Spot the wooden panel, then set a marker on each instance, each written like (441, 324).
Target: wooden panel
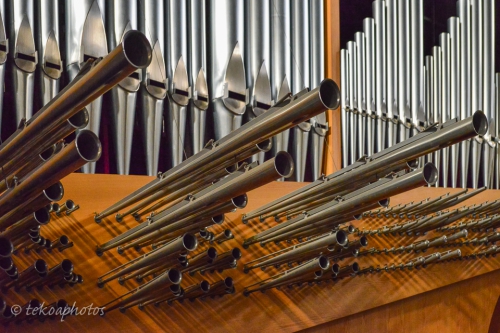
(333, 148)
(465, 307)
(288, 310)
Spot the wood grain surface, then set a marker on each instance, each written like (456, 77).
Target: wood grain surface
(280, 311)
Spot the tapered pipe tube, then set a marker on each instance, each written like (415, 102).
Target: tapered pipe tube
(369, 30)
(392, 72)
(40, 217)
(417, 62)
(344, 68)
(404, 69)
(359, 38)
(67, 205)
(353, 100)
(379, 14)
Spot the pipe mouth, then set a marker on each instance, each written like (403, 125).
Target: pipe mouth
(228, 282)
(6, 263)
(318, 274)
(54, 192)
(88, 145)
(79, 120)
(384, 203)
(79, 278)
(480, 123)
(55, 207)
(42, 216)
(218, 219)
(355, 253)
(47, 243)
(34, 233)
(190, 242)
(329, 94)
(355, 267)
(13, 273)
(341, 237)
(212, 253)
(64, 240)
(412, 164)
(240, 201)
(205, 286)
(283, 163)
(204, 233)
(47, 153)
(67, 266)
(6, 247)
(363, 241)
(175, 289)
(236, 253)
(323, 262)
(7, 312)
(60, 304)
(265, 145)
(228, 233)
(34, 303)
(40, 266)
(137, 49)
(174, 275)
(335, 269)
(357, 216)
(70, 204)
(3, 305)
(232, 168)
(430, 173)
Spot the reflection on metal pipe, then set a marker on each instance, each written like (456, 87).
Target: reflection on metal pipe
(404, 73)
(369, 30)
(417, 63)
(359, 38)
(4, 50)
(455, 67)
(378, 8)
(344, 65)
(437, 102)
(444, 41)
(392, 72)
(353, 101)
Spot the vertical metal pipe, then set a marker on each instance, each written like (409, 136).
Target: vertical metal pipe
(49, 56)
(85, 38)
(455, 66)
(404, 73)
(226, 71)
(429, 94)
(437, 98)
(178, 84)
(444, 41)
(154, 82)
(464, 15)
(497, 131)
(257, 60)
(344, 88)
(121, 16)
(359, 38)
(476, 84)
(4, 50)
(197, 66)
(280, 61)
(351, 48)
(301, 79)
(319, 123)
(417, 62)
(23, 56)
(392, 72)
(378, 8)
(488, 147)
(369, 30)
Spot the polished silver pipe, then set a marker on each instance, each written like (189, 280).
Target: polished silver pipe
(226, 78)
(85, 38)
(176, 62)
(257, 60)
(369, 30)
(154, 82)
(353, 101)
(20, 27)
(429, 97)
(121, 17)
(444, 41)
(49, 55)
(4, 50)
(437, 56)
(197, 69)
(455, 67)
(281, 63)
(497, 133)
(404, 72)
(476, 92)
(301, 79)
(359, 38)
(417, 62)
(344, 92)
(317, 49)
(392, 71)
(378, 9)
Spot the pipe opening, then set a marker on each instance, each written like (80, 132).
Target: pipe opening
(42, 216)
(13, 273)
(70, 204)
(47, 153)
(265, 145)
(80, 119)
(6, 263)
(190, 242)
(64, 240)
(7, 313)
(284, 164)
(55, 207)
(79, 278)
(212, 253)
(61, 304)
(480, 122)
(175, 276)
(40, 266)
(228, 282)
(137, 49)
(236, 253)
(430, 173)
(88, 145)
(240, 201)
(323, 262)
(341, 237)
(67, 266)
(228, 233)
(218, 219)
(351, 229)
(355, 267)
(363, 241)
(175, 289)
(329, 93)
(204, 286)
(6, 247)
(54, 192)
(355, 252)
(34, 303)
(335, 269)
(318, 274)
(412, 164)
(384, 202)
(232, 168)
(357, 216)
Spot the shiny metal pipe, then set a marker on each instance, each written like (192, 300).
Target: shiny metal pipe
(353, 101)
(257, 60)
(359, 38)
(226, 78)
(223, 236)
(417, 62)
(40, 217)
(455, 67)
(4, 50)
(85, 18)
(281, 63)
(67, 205)
(429, 97)
(404, 69)
(121, 17)
(379, 15)
(6, 247)
(437, 56)
(369, 30)
(344, 68)
(197, 68)
(444, 41)
(392, 71)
